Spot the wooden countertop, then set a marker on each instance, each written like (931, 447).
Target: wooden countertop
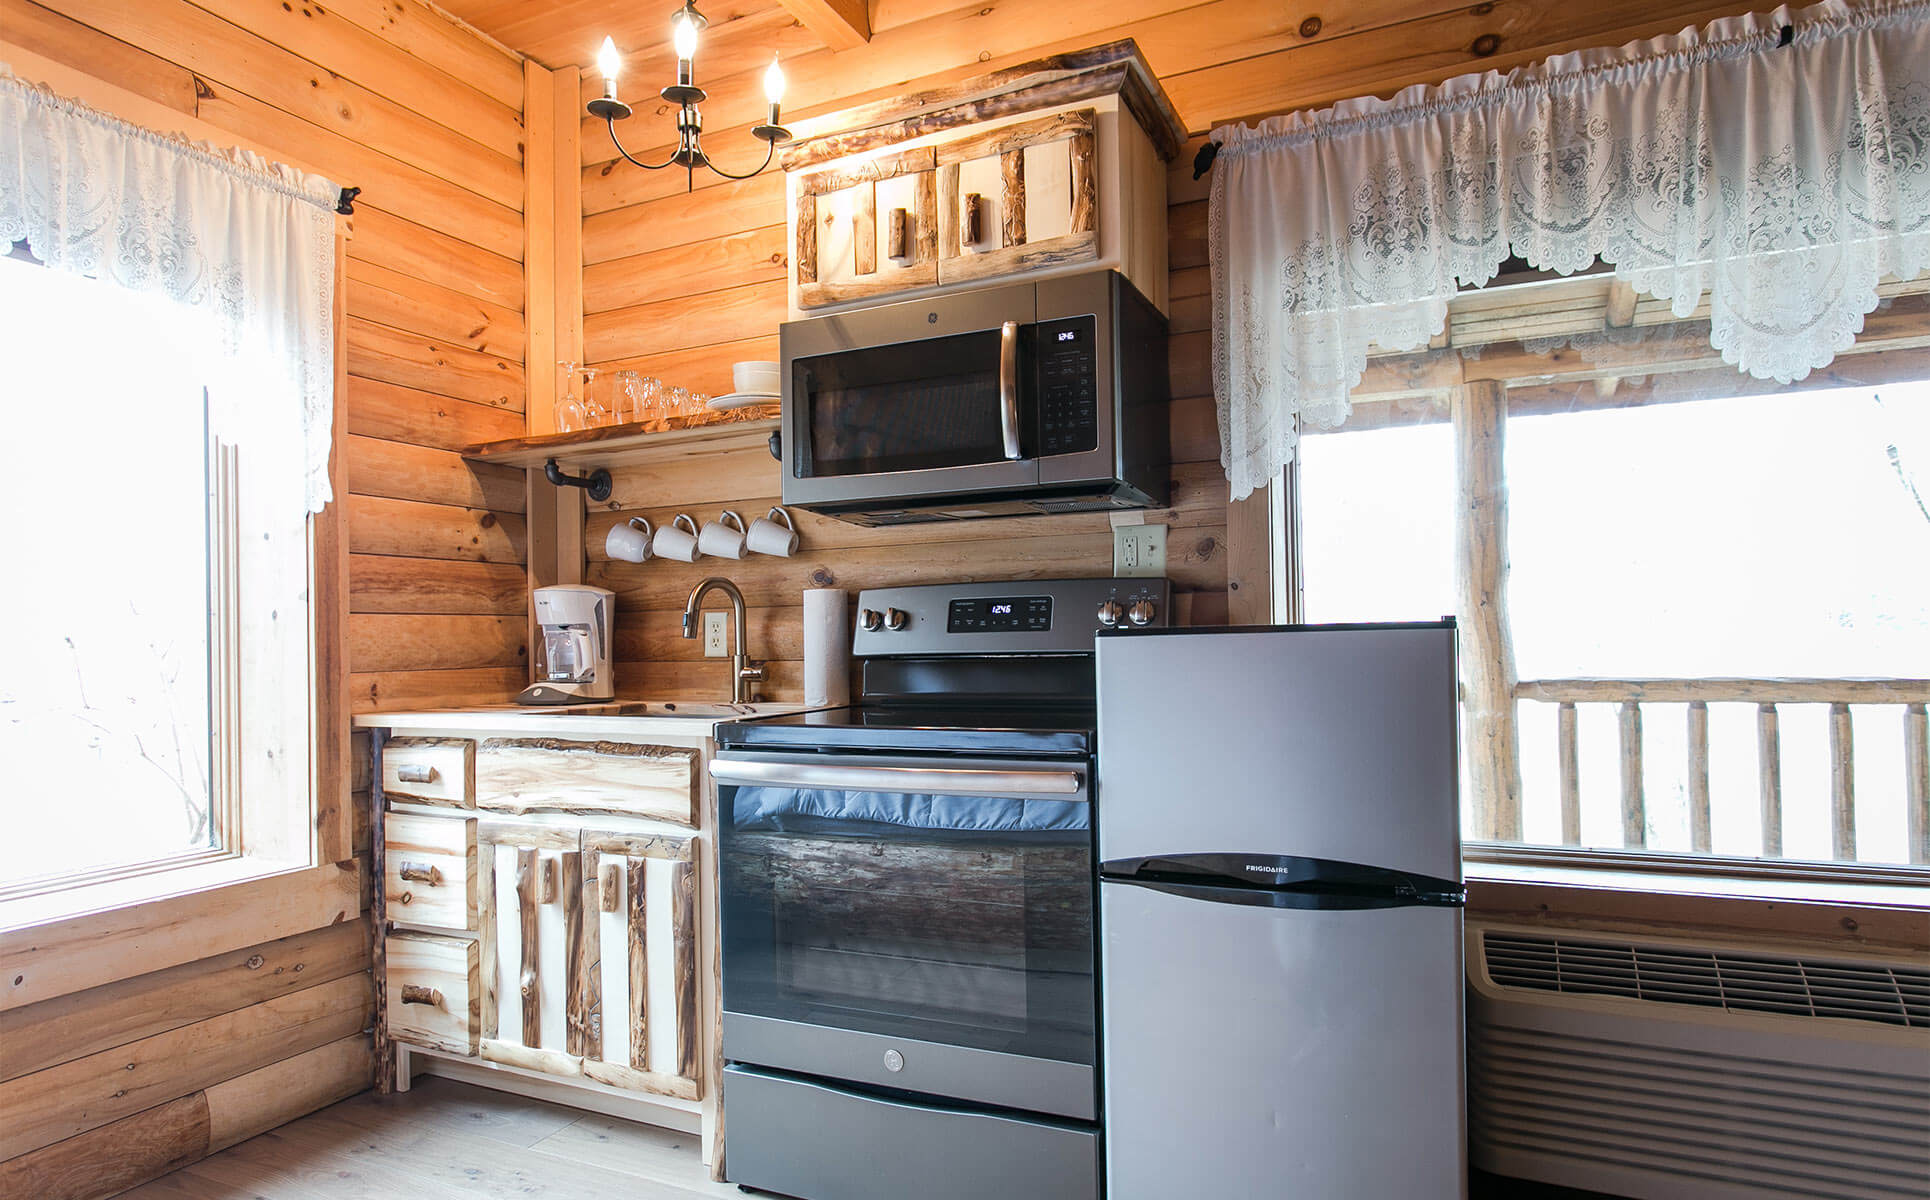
(620, 716)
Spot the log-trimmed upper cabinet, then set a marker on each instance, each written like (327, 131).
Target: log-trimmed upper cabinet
(1059, 164)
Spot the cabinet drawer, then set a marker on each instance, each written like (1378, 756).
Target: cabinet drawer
(429, 870)
(526, 775)
(430, 771)
(434, 991)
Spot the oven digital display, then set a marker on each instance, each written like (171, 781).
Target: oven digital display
(1026, 613)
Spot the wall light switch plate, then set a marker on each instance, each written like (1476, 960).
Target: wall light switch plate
(1139, 551)
(716, 645)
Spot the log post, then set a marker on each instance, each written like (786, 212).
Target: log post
(1567, 753)
(1635, 817)
(1480, 414)
(1916, 765)
(1769, 775)
(1842, 785)
(1699, 836)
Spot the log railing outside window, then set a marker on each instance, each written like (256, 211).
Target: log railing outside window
(1628, 696)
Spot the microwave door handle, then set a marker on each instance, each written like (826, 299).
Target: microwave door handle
(944, 781)
(1009, 387)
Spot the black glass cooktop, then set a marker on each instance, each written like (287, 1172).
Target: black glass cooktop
(1059, 731)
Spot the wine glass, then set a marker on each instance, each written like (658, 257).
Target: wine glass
(571, 415)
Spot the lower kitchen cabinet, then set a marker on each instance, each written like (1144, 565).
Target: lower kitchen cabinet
(547, 906)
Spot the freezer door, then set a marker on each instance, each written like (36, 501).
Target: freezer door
(1333, 743)
(1260, 1051)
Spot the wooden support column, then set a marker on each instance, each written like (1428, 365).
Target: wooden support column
(552, 311)
(1480, 413)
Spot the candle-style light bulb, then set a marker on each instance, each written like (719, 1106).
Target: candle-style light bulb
(609, 62)
(774, 87)
(683, 35)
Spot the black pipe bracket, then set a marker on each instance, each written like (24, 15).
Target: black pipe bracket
(596, 483)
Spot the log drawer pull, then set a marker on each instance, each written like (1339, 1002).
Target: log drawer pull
(427, 873)
(415, 773)
(415, 993)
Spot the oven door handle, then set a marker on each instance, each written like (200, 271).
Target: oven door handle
(1009, 388)
(940, 780)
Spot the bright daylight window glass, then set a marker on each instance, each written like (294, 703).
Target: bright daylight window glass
(104, 492)
(1759, 537)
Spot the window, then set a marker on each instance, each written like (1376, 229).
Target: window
(1717, 590)
(155, 696)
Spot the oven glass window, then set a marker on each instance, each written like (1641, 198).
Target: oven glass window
(952, 919)
(908, 407)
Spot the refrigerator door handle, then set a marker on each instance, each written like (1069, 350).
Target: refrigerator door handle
(1285, 897)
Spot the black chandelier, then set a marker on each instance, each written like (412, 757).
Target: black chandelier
(686, 95)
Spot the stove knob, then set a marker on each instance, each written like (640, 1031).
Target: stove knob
(871, 619)
(1110, 612)
(896, 618)
(1141, 613)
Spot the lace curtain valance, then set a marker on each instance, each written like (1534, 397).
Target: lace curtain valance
(248, 242)
(1776, 164)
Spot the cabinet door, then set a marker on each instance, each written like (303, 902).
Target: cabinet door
(538, 1009)
(652, 1036)
(1018, 198)
(866, 228)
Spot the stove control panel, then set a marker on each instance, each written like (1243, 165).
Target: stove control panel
(1023, 617)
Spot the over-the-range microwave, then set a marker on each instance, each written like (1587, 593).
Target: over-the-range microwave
(1046, 396)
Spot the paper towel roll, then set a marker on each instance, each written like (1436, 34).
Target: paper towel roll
(827, 647)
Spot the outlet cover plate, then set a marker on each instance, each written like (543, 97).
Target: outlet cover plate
(1139, 551)
(716, 644)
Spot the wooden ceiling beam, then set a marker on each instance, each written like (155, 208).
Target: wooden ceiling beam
(839, 24)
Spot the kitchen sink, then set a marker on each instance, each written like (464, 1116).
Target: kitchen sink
(683, 708)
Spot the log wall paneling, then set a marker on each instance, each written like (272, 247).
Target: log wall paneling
(426, 117)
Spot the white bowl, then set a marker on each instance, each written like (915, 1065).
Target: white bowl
(760, 377)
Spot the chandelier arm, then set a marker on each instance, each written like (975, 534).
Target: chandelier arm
(770, 151)
(611, 122)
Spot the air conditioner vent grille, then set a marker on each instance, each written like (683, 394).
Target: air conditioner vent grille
(1890, 995)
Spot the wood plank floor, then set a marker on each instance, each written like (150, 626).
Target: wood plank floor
(448, 1139)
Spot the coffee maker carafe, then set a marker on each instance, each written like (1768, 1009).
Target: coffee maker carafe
(573, 651)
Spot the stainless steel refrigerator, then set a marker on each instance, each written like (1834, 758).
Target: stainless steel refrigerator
(1280, 902)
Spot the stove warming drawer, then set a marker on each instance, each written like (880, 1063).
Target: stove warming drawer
(803, 1138)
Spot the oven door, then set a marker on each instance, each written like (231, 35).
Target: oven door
(914, 924)
(914, 400)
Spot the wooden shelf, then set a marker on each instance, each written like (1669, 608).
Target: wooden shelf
(624, 445)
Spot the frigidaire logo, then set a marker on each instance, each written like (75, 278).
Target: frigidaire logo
(1263, 869)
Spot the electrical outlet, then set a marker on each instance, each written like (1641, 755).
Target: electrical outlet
(716, 645)
(1139, 551)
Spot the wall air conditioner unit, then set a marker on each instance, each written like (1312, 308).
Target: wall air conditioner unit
(1667, 1069)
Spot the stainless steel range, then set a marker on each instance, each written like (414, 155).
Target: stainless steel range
(907, 902)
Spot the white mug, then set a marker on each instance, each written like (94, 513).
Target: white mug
(766, 536)
(629, 541)
(758, 378)
(723, 537)
(672, 540)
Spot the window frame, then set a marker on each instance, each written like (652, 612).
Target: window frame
(118, 929)
(1446, 381)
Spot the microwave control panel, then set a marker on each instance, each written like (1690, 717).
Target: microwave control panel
(1068, 385)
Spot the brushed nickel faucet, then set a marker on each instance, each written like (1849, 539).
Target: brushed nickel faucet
(743, 672)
